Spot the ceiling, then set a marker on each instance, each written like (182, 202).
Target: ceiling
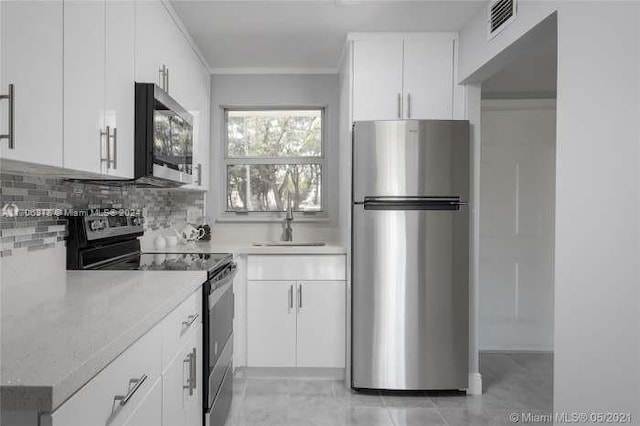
(305, 34)
(533, 74)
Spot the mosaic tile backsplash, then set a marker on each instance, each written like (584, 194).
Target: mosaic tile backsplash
(161, 208)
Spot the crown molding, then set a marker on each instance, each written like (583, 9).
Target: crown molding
(271, 70)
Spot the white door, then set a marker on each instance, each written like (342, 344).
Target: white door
(377, 78)
(149, 412)
(31, 60)
(119, 84)
(428, 76)
(271, 324)
(85, 138)
(517, 203)
(321, 326)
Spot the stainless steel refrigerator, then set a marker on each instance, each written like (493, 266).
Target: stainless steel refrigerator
(410, 255)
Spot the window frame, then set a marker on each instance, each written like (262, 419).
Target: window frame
(227, 160)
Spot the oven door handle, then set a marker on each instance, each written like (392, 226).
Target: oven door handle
(230, 273)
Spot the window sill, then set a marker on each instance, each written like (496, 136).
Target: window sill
(225, 217)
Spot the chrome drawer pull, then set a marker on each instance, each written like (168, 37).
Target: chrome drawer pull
(190, 320)
(136, 385)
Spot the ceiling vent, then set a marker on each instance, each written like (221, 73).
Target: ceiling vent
(501, 14)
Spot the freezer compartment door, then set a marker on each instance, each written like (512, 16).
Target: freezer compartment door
(411, 158)
(410, 305)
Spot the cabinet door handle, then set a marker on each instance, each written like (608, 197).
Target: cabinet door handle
(136, 385)
(299, 296)
(199, 174)
(105, 135)
(114, 160)
(399, 105)
(290, 298)
(408, 105)
(166, 77)
(192, 378)
(10, 96)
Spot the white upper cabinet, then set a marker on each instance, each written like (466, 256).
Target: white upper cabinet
(72, 66)
(160, 43)
(377, 78)
(428, 76)
(31, 60)
(193, 90)
(119, 84)
(85, 139)
(99, 42)
(398, 76)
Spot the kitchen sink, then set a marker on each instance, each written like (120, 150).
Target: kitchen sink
(289, 244)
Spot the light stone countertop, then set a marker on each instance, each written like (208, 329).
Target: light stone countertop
(60, 331)
(243, 248)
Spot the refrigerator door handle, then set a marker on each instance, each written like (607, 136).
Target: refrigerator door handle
(413, 203)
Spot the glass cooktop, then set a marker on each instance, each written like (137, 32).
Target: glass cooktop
(210, 262)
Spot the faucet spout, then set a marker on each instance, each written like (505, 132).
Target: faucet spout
(288, 218)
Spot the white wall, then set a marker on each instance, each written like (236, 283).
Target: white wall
(273, 90)
(517, 199)
(597, 249)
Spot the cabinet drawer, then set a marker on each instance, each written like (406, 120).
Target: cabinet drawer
(176, 325)
(95, 403)
(296, 267)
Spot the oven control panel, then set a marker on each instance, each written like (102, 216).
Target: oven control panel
(99, 226)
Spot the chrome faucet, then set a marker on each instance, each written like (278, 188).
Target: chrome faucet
(288, 218)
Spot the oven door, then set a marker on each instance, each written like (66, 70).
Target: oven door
(218, 333)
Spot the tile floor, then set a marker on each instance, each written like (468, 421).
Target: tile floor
(512, 383)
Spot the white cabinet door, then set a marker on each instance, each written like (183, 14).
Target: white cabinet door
(119, 84)
(149, 412)
(174, 381)
(271, 324)
(85, 142)
(152, 21)
(31, 60)
(321, 325)
(428, 76)
(194, 402)
(377, 78)
(195, 98)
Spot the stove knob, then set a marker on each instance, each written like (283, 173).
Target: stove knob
(98, 224)
(136, 221)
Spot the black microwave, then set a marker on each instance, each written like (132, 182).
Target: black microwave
(163, 139)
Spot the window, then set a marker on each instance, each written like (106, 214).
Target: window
(271, 153)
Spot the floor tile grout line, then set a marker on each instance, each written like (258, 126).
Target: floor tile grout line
(440, 414)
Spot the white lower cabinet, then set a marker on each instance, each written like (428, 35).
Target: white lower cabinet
(138, 388)
(271, 324)
(321, 323)
(296, 322)
(181, 385)
(114, 395)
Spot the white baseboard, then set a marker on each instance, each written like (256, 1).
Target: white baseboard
(475, 384)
